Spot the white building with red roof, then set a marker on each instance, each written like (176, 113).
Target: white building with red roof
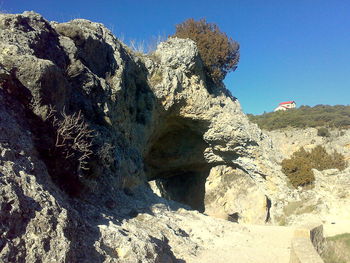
(286, 105)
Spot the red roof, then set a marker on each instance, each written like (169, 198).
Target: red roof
(287, 102)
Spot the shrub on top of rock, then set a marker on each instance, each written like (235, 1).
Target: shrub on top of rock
(299, 167)
(220, 54)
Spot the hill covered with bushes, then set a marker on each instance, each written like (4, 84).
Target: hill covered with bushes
(305, 116)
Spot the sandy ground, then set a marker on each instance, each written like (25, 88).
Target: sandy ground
(336, 227)
(221, 241)
(261, 244)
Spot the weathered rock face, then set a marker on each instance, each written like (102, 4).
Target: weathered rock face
(287, 141)
(203, 128)
(328, 200)
(225, 197)
(32, 214)
(153, 117)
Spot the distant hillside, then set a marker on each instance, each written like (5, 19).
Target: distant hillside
(305, 116)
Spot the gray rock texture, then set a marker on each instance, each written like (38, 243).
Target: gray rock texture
(204, 128)
(85, 123)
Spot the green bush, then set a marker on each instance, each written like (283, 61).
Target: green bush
(319, 116)
(321, 160)
(219, 53)
(298, 167)
(323, 132)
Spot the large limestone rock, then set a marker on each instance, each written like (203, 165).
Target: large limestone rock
(204, 127)
(153, 117)
(226, 198)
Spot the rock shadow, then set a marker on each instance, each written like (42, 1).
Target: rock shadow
(175, 160)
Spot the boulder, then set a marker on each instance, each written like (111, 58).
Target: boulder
(226, 198)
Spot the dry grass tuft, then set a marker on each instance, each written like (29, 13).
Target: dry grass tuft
(337, 249)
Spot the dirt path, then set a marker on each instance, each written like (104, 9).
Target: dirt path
(261, 244)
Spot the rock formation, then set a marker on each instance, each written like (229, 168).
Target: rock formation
(287, 141)
(85, 124)
(328, 201)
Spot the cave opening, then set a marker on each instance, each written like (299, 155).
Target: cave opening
(175, 161)
(187, 188)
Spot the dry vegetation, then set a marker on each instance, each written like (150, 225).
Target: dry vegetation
(299, 167)
(220, 54)
(74, 138)
(337, 249)
(65, 142)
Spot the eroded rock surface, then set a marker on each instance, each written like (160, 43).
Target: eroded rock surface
(328, 200)
(289, 140)
(152, 118)
(226, 198)
(204, 128)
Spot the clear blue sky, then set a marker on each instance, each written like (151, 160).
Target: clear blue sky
(290, 50)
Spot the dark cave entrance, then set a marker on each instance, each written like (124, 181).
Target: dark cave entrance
(187, 188)
(175, 160)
